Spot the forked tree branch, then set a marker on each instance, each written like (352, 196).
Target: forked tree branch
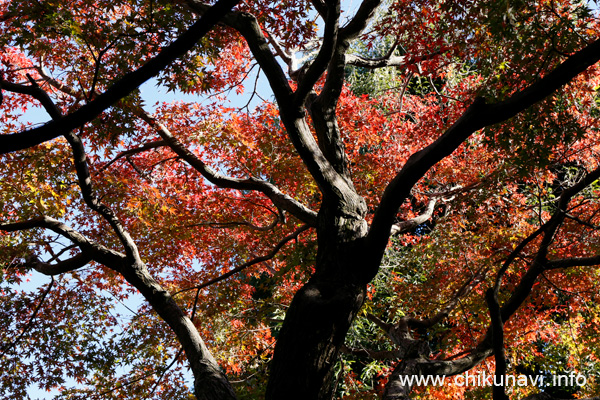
(59, 267)
(331, 183)
(98, 252)
(318, 67)
(84, 177)
(492, 341)
(278, 198)
(477, 116)
(252, 262)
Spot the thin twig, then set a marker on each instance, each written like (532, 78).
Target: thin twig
(31, 319)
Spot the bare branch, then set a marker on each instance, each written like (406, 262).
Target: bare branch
(360, 61)
(497, 327)
(146, 146)
(252, 262)
(280, 200)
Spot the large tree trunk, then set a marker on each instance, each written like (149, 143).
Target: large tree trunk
(322, 311)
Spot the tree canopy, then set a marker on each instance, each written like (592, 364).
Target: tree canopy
(416, 196)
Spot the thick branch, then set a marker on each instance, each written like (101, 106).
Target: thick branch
(372, 63)
(323, 107)
(477, 116)
(359, 22)
(84, 177)
(493, 342)
(96, 251)
(33, 91)
(278, 198)
(60, 267)
(573, 262)
(405, 226)
(121, 88)
(497, 327)
(292, 113)
(85, 183)
(319, 65)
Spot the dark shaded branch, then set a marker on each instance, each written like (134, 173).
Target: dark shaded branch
(85, 183)
(252, 262)
(247, 25)
(122, 87)
(493, 342)
(323, 107)
(497, 327)
(573, 262)
(316, 69)
(320, 6)
(84, 177)
(477, 116)
(372, 354)
(463, 291)
(292, 113)
(34, 91)
(540, 261)
(359, 22)
(397, 387)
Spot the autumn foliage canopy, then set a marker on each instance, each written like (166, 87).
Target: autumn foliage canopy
(342, 196)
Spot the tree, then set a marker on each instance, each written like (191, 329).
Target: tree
(262, 234)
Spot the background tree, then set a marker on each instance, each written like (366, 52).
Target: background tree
(448, 207)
